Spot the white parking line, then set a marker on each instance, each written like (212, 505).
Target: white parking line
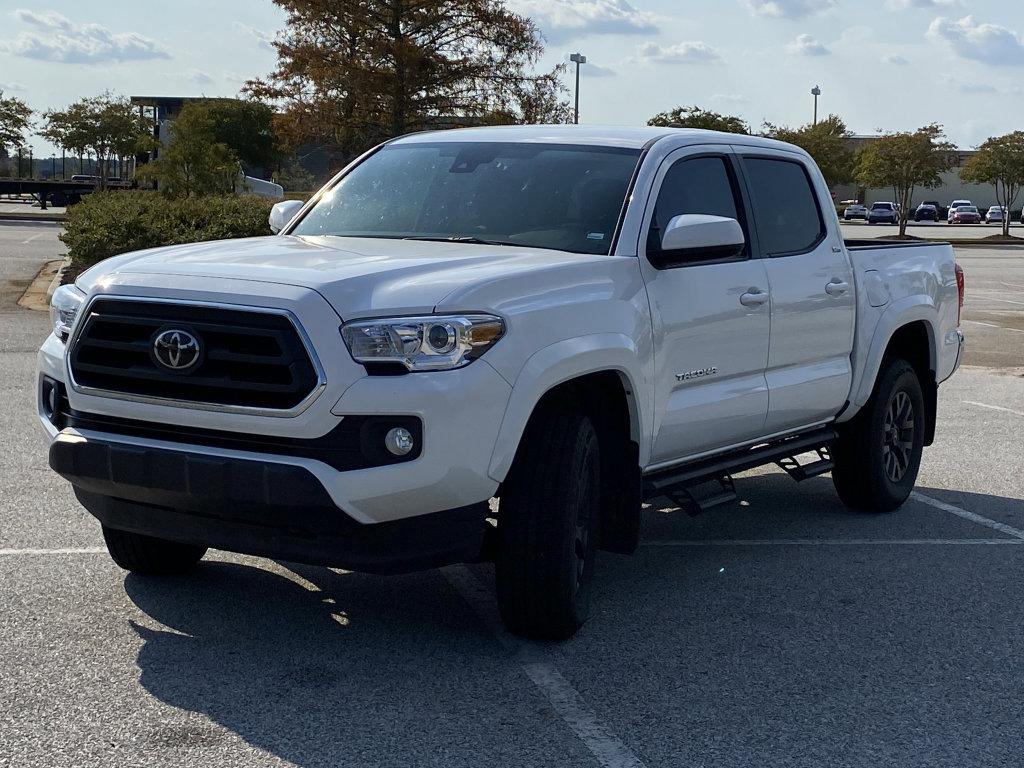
(26, 242)
(1009, 530)
(993, 407)
(993, 325)
(67, 551)
(604, 745)
(819, 542)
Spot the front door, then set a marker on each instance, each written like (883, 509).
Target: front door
(711, 317)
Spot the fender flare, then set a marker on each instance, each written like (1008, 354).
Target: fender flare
(898, 314)
(561, 362)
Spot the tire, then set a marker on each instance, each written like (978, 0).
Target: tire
(548, 527)
(149, 556)
(876, 461)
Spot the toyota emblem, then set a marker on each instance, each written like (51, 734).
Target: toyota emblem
(176, 350)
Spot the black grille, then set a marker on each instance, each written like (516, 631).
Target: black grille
(249, 359)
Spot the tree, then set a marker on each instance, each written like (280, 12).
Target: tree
(15, 120)
(106, 125)
(246, 127)
(194, 162)
(825, 141)
(695, 117)
(351, 74)
(999, 162)
(905, 161)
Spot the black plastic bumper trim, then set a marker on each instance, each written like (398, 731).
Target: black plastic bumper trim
(251, 507)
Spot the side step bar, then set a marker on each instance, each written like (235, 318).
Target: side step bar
(680, 484)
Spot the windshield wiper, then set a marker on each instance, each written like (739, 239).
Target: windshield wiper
(460, 239)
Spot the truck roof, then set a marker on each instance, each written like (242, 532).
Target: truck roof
(595, 135)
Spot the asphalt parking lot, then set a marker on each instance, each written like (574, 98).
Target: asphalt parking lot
(783, 631)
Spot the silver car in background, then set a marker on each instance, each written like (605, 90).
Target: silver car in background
(995, 213)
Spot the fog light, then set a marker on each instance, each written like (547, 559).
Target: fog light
(398, 441)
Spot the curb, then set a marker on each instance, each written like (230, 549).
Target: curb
(48, 217)
(39, 292)
(57, 279)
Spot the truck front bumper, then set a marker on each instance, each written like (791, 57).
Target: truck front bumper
(253, 507)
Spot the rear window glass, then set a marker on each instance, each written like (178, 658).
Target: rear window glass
(785, 206)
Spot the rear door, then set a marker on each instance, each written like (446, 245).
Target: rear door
(813, 308)
(711, 317)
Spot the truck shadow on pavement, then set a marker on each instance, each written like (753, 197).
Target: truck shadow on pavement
(322, 668)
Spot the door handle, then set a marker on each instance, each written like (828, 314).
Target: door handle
(755, 297)
(837, 288)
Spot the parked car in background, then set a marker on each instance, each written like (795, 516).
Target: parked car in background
(954, 205)
(995, 213)
(938, 207)
(855, 211)
(883, 213)
(965, 214)
(926, 212)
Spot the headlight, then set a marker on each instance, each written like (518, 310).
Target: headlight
(434, 343)
(63, 307)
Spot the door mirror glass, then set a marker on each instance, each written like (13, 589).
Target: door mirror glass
(700, 237)
(282, 213)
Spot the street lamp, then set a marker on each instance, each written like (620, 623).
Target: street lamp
(577, 58)
(815, 92)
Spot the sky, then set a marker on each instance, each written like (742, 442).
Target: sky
(882, 65)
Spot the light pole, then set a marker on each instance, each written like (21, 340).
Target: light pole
(577, 58)
(815, 92)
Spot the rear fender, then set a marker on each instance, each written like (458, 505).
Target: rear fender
(896, 315)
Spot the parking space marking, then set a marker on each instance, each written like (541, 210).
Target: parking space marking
(993, 407)
(65, 551)
(995, 525)
(993, 325)
(819, 542)
(604, 745)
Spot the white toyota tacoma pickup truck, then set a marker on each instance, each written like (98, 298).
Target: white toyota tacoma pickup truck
(569, 320)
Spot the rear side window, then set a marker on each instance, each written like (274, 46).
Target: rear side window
(698, 185)
(785, 206)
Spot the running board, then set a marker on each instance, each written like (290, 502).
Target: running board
(681, 484)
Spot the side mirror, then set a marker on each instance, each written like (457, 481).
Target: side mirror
(699, 237)
(282, 213)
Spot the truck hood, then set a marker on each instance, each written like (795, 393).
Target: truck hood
(358, 276)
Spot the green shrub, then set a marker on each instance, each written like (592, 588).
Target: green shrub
(105, 224)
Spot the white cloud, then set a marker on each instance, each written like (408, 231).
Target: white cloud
(787, 9)
(895, 60)
(902, 5)
(563, 19)
(691, 52)
(805, 45)
(729, 98)
(988, 43)
(59, 39)
(13, 87)
(198, 77)
(265, 40)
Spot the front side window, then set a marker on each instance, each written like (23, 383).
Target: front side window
(697, 185)
(565, 197)
(785, 206)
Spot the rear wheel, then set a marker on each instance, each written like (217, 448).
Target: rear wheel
(150, 556)
(547, 527)
(878, 454)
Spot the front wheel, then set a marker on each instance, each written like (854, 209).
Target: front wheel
(150, 556)
(878, 454)
(547, 527)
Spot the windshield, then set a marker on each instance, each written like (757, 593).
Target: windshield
(565, 197)
(967, 209)
(882, 207)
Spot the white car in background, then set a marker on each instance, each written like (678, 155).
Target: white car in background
(954, 205)
(995, 213)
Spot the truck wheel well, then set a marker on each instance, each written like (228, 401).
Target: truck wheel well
(913, 343)
(607, 401)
